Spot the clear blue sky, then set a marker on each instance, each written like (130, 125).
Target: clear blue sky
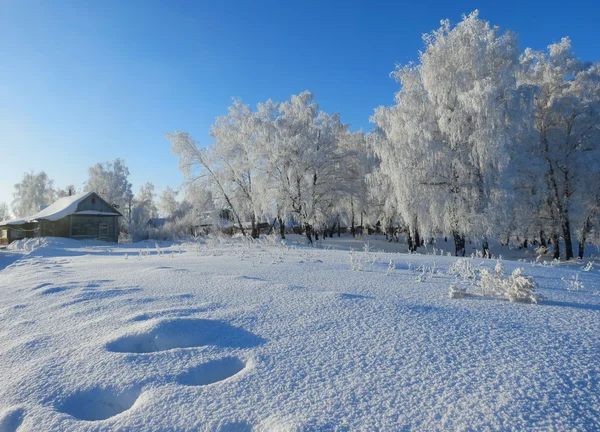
(89, 81)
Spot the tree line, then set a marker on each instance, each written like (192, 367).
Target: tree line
(485, 140)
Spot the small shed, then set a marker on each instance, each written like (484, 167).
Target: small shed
(81, 216)
(15, 229)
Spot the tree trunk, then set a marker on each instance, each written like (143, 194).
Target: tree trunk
(542, 239)
(254, 228)
(581, 249)
(352, 229)
(486, 248)
(362, 227)
(556, 246)
(282, 228)
(567, 236)
(410, 242)
(459, 244)
(308, 229)
(587, 227)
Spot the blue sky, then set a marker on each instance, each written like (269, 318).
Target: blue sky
(83, 82)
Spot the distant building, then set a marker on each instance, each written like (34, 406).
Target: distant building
(157, 222)
(81, 216)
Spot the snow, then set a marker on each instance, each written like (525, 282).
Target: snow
(13, 222)
(95, 213)
(60, 208)
(238, 336)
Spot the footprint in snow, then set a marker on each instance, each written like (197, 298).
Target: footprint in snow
(236, 426)
(184, 333)
(97, 403)
(11, 419)
(211, 372)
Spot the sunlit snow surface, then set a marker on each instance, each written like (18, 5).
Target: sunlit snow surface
(240, 337)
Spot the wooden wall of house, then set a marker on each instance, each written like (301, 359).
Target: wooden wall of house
(92, 203)
(88, 227)
(17, 232)
(4, 235)
(59, 228)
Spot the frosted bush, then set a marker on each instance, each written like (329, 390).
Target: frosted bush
(515, 288)
(421, 274)
(492, 283)
(391, 267)
(520, 288)
(457, 292)
(573, 283)
(272, 240)
(463, 268)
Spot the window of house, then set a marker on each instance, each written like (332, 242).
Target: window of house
(93, 200)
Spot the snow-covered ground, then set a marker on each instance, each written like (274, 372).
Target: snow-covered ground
(235, 336)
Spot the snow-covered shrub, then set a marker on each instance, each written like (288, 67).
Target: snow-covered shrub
(463, 268)
(588, 266)
(541, 251)
(573, 283)
(520, 288)
(391, 267)
(125, 238)
(361, 261)
(515, 288)
(421, 274)
(491, 283)
(457, 292)
(272, 240)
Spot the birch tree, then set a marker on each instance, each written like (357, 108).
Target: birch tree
(34, 191)
(566, 117)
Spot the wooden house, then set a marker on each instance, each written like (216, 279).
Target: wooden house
(82, 216)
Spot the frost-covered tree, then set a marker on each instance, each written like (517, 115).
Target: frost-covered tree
(200, 167)
(35, 191)
(483, 141)
(284, 159)
(167, 203)
(4, 212)
(447, 140)
(566, 149)
(405, 141)
(144, 207)
(68, 191)
(305, 160)
(237, 158)
(111, 181)
(358, 162)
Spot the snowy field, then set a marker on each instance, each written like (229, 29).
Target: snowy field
(234, 336)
